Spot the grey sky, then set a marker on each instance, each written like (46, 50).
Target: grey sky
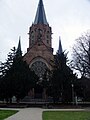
(68, 19)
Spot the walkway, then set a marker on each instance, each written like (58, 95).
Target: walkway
(35, 113)
(27, 114)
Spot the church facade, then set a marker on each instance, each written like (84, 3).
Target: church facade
(40, 52)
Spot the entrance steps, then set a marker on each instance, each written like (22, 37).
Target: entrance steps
(28, 99)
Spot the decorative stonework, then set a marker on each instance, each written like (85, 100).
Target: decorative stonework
(39, 68)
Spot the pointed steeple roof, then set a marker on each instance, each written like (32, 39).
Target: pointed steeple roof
(89, 47)
(89, 50)
(89, 42)
(60, 47)
(40, 14)
(19, 52)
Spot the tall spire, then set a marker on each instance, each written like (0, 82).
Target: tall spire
(19, 52)
(89, 50)
(40, 14)
(60, 47)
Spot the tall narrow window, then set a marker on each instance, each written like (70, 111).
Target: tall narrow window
(32, 37)
(39, 35)
(48, 37)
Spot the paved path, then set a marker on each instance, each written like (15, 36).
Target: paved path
(35, 113)
(27, 114)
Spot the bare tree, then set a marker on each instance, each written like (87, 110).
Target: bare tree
(81, 55)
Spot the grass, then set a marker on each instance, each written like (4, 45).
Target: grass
(6, 113)
(66, 115)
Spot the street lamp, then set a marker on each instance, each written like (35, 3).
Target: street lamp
(72, 94)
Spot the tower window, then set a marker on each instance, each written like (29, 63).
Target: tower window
(32, 37)
(35, 29)
(47, 36)
(48, 41)
(48, 32)
(39, 34)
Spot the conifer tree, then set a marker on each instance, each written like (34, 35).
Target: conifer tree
(17, 78)
(62, 79)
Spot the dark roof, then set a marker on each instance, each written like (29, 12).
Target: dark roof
(40, 14)
(60, 51)
(18, 51)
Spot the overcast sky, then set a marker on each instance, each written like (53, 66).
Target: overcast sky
(68, 19)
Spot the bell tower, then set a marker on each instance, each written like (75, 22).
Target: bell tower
(40, 52)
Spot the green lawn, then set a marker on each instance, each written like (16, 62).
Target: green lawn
(60, 115)
(6, 113)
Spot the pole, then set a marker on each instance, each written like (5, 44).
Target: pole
(72, 94)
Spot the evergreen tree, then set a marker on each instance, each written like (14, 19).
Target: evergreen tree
(5, 76)
(62, 79)
(17, 78)
(23, 78)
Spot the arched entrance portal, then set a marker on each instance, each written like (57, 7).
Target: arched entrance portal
(39, 67)
(38, 92)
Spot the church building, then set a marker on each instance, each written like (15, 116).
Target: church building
(40, 52)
